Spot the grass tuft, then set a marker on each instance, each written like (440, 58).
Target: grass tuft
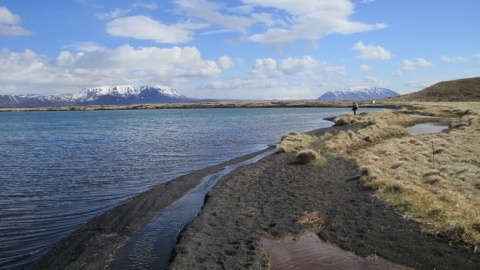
(294, 142)
(313, 219)
(437, 187)
(307, 156)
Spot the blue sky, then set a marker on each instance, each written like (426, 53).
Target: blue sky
(243, 49)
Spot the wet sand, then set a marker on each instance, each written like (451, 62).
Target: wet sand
(264, 201)
(93, 244)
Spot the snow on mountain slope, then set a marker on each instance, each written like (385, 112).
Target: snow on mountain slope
(358, 93)
(124, 91)
(103, 95)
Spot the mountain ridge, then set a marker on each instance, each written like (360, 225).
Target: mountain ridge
(358, 93)
(101, 95)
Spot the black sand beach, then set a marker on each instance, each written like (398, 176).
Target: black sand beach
(266, 200)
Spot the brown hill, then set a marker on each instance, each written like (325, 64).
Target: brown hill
(467, 89)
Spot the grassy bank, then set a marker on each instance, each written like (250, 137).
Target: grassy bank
(433, 179)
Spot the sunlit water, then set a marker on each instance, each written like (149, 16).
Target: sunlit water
(60, 169)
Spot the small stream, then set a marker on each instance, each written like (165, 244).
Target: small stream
(151, 248)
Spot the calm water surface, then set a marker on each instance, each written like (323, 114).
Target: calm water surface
(60, 169)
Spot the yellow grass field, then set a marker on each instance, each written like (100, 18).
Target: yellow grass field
(433, 179)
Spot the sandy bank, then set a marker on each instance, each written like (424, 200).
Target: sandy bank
(266, 200)
(93, 244)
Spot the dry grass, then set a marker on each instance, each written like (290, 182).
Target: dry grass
(432, 179)
(314, 219)
(295, 142)
(301, 145)
(467, 89)
(381, 126)
(310, 156)
(307, 156)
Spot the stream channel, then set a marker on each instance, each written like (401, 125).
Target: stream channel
(151, 248)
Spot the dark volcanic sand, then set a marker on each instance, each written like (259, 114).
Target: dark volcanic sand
(93, 244)
(264, 199)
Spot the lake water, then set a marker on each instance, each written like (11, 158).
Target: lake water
(59, 169)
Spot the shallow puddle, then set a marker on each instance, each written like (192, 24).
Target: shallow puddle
(309, 252)
(437, 125)
(426, 128)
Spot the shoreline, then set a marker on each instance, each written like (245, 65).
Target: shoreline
(92, 245)
(264, 199)
(212, 105)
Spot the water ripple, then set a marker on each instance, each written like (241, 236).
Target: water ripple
(60, 169)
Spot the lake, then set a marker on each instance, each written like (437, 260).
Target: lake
(61, 168)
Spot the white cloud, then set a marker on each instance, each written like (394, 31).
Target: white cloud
(415, 64)
(365, 67)
(181, 67)
(330, 71)
(117, 13)
(113, 14)
(373, 81)
(225, 62)
(143, 27)
(7, 17)
(150, 6)
(371, 52)
(311, 21)
(258, 89)
(86, 46)
(66, 58)
(245, 9)
(9, 24)
(271, 68)
(270, 78)
(454, 59)
(298, 66)
(266, 68)
(277, 22)
(72, 71)
(397, 73)
(210, 12)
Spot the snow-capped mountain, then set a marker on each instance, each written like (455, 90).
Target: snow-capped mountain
(104, 95)
(359, 93)
(124, 91)
(127, 94)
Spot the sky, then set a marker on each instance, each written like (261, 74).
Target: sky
(242, 49)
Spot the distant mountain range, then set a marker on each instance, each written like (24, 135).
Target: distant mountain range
(467, 89)
(105, 95)
(359, 93)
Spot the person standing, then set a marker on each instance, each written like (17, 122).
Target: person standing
(354, 108)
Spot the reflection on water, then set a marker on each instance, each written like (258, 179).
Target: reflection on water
(427, 128)
(435, 125)
(309, 252)
(60, 169)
